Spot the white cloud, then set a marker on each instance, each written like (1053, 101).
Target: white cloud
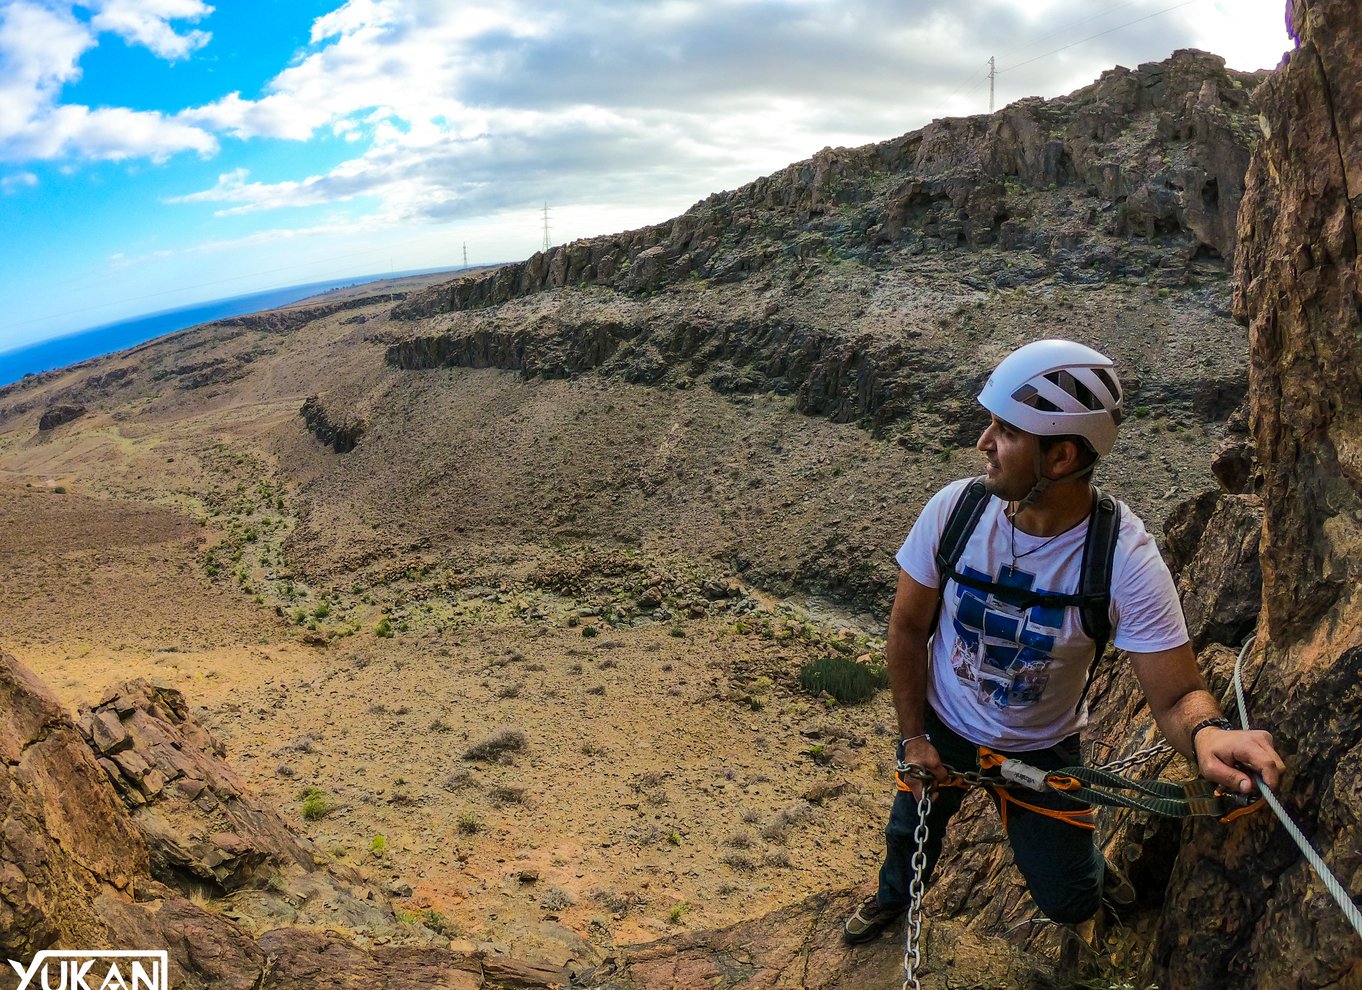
(147, 23)
(40, 49)
(457, 111)
(13, 183)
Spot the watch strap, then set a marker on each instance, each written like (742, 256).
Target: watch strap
(1219, 722)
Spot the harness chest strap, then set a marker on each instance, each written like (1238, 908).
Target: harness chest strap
(1093, 597)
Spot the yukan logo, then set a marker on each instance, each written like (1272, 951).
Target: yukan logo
(1003, 650)
(95, 969)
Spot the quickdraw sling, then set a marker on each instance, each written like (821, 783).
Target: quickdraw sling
(1087, 786)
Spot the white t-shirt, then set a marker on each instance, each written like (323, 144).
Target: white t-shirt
(1009, 677)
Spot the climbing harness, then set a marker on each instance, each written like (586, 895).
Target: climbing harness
(912, 940)
(1340, 896)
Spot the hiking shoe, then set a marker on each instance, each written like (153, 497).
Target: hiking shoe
(868, 920)
(1117, 890)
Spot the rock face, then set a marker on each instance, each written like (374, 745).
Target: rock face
(1250, 910)
(341, 430)
(1212, 549)
(801, 946)
(65, 841)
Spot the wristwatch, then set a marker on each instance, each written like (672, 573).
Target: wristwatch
(1220, 722)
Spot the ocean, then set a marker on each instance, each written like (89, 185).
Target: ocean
(62, 351)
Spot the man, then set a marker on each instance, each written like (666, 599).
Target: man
(969, 668)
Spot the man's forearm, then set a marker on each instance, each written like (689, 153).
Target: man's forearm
(906, 656)
(1185, 713)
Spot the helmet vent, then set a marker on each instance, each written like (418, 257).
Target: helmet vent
(1028, 396)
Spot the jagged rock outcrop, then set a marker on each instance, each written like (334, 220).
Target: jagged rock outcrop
(54, 416)
(1250, 910)
(65, 840)
(189, 804)
(339, 429)
(959, 182)
(833, 279)
(78, 871)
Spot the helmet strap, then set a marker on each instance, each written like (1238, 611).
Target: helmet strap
(1043, 483)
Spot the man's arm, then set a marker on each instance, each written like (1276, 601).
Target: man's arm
(1179, 700)
(905, 654)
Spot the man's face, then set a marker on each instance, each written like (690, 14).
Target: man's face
(1011, 460)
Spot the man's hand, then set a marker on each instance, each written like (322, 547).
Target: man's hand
(920, 752)
(1224, 754)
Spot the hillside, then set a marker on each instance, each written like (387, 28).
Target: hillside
(600, 506)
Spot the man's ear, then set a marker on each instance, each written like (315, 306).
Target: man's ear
(1063, 458)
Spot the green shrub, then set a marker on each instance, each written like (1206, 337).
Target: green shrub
(469, 823)
(384, 629)
(379, 845)
(846, 680)
(438, 923)
(316, 804)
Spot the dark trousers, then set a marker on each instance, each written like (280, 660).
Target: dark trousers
(1062, 867)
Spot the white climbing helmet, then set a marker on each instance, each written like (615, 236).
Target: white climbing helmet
(1056, 388)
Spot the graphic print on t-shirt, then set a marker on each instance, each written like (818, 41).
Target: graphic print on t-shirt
(1003, 649)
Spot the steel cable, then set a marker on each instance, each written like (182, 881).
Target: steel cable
(1345, 903)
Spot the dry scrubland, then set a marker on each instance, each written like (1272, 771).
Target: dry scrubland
(664, 769)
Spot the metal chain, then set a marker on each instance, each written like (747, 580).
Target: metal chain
(912, 957)
(1139, 756)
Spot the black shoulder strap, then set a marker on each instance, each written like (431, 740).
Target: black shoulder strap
(960, 525)
(1093, 598)
(1099, 558)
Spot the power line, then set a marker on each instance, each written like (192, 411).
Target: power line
(1099, 34)
(1070, 26)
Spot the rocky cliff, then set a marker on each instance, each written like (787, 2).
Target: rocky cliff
(1134, 180)
(1249, 911)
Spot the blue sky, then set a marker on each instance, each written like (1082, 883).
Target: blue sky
(158, 153)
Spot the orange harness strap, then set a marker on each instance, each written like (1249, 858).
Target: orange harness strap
(989, 760)
(1078, 817)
